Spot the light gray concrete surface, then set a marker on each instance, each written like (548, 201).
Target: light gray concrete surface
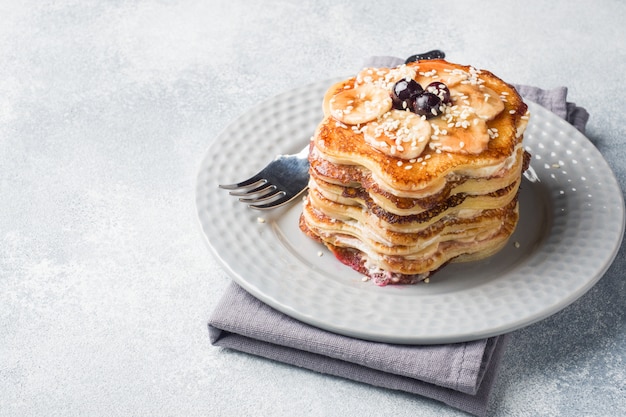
(106, 109)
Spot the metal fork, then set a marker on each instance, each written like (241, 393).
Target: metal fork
(282, 180)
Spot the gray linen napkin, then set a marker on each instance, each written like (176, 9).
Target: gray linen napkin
(460, 374)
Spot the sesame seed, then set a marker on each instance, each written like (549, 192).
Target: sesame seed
(400, 163)
(408, 167)
(512, 111)
(260, 220)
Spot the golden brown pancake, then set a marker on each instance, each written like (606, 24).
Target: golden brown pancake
(400, 188)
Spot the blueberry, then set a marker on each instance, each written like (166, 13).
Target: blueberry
(404, 93)
(427, 104)
(439, 89)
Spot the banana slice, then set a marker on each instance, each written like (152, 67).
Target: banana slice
(385, 77)
(483, 101)
(360, 105)
(398, 133)
(471, 137)
(371, 75)
(453, 78)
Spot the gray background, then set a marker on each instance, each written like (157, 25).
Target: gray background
(106, 109)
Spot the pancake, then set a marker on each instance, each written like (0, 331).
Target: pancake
(414, 167)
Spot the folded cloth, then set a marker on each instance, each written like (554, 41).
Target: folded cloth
(461, 375)
(556, 101)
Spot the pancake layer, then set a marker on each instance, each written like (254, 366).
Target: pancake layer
(395, 193)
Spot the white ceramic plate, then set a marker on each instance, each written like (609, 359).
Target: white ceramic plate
(571, 226)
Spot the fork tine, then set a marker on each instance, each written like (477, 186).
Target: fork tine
(274, 203)
(244, 192)
(280, 182)
(250, 181)
(263, 197)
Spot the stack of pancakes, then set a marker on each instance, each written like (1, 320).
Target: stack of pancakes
(396, 195)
